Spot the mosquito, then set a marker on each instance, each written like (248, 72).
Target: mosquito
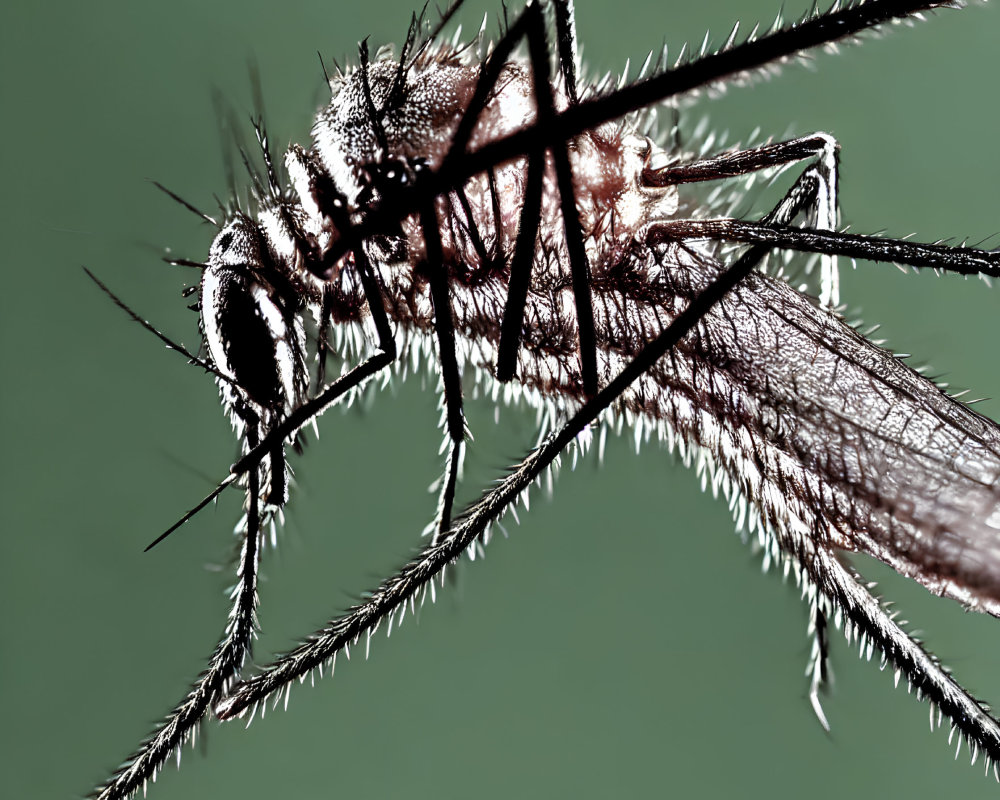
(480, 208)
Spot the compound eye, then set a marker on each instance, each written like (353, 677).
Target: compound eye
(235, 316)
(251, 340)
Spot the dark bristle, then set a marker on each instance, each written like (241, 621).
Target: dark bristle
(177, 199)
(170, 343)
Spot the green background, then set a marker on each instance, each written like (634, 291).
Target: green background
(621, 642)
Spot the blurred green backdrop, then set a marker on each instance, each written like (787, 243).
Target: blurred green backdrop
(622, 642)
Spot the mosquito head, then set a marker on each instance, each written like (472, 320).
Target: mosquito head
(250, 328)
